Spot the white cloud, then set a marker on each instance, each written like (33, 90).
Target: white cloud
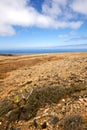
(73, 33)
(52, 7)
(6, 30)
(79, 6)
(63, 36)
(20, 13)
(79, 38)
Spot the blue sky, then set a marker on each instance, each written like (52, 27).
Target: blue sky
(43, 23)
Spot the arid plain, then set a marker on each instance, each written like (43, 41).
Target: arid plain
(43, 91)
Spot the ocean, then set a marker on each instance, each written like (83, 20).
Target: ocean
(39, 51)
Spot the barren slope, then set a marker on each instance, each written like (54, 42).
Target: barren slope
(49, 91)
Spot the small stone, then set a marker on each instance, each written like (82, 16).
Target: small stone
(44, 125)
(55, 120)
(46, 110)
(59, 105)
(85, 99)
(81, 100)
(0, 123)
(35, 123)
(53, 113)
(63, 110)
(63, 100)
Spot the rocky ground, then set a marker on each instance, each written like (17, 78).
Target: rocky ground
(43, 92)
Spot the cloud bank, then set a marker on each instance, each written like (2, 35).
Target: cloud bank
(78, 38)
(55, 14)
(79, 6)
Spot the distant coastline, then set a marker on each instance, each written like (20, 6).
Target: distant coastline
(6, 55)
(38, 51)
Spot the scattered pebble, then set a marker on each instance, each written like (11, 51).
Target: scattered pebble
(44, 125)
(55, 120)
(35, 123)
(63, 100)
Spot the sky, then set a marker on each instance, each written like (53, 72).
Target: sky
(43, 23)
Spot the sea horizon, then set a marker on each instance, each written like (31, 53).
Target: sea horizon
(38, 51)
